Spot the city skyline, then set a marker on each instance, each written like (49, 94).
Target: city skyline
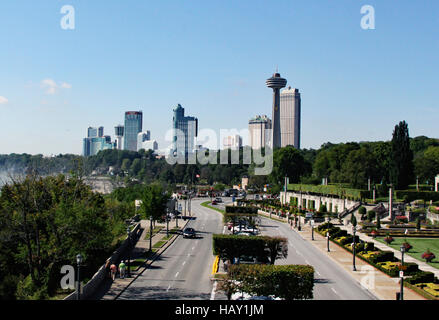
(214, 57)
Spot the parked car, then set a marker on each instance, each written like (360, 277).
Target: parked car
(214, 202)
(218, 200)
(189, 233)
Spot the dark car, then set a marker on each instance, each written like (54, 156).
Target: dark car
(189, 233)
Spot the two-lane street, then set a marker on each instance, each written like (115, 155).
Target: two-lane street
(183, 271)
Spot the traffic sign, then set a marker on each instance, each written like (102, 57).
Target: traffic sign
(401, 274)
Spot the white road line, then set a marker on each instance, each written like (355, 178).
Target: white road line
(169, 287)
(299, 253)
(318, 273)
(334, 291)
(176, 275)
(212, 294)
(307, 262)
(193, 247)
(184, 263)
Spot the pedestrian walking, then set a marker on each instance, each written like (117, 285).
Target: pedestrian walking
(113, 270)
(122, 268)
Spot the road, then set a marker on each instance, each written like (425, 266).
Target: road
(331, 281)
(183, 271)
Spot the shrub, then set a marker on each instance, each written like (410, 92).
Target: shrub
(388, 239)
(362, 210)
(289, 282)
(407, 246)
(428, 256)
(421, 277)
(371, 215)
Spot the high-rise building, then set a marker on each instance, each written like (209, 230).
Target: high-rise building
(133, 125)
(185, 132)
(118, 131)
(259, 129)
(276, 83)
(290, 117)
(100, 131)
(150, 145)
(142, 137)
(233, 142)
(92, 132)
(92, 145)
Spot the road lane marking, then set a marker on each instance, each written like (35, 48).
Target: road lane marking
(169, 287)
(334, 291)
(307, 262)
(184, 262)
(318, 273)
(212, 294)
(176, 275)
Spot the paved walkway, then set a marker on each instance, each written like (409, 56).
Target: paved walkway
(111, 290)
(377, 282)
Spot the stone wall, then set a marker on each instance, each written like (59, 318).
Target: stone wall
(91, 286)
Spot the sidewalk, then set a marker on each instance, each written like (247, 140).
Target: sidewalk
(422, 265)
(111, 290)
(377, 282)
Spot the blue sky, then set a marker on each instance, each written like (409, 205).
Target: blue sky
(213, 58)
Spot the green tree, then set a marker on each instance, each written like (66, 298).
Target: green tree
(401, 163)
(288, 162)
(154, 202)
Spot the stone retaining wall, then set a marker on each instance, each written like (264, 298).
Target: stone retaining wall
(91, 286)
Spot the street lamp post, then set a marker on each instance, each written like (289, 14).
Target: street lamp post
(167, 222)
(354, 229)
(78, 290)
(327, 235)
(401, 295)
(312, 230)
(129, 251)
(150, 233)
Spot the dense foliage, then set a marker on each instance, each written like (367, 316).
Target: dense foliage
(351, 164)
(44, 224)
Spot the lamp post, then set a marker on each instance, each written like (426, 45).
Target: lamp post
(327, 235)
(167, 222)
(312, 230)
(150, 233)
(129, 251)
(354, 230)
(401, 274)
(78, 290)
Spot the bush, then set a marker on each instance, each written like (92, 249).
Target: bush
(371, 215)
(421, 277)
(362, 210)
(428, 256)
(289, 282)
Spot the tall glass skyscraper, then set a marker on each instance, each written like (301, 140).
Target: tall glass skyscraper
(133, 125)
(185, 132)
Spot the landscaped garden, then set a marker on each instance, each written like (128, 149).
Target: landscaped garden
(419, 247)
(425, 283)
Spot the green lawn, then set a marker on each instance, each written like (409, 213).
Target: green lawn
(420, 245)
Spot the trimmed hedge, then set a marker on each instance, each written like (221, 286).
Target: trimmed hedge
(239, 210)
(410, 196)
(289, 282)
(355, 194)
(263, 248)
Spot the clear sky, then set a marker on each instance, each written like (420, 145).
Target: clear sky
(213, 57)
